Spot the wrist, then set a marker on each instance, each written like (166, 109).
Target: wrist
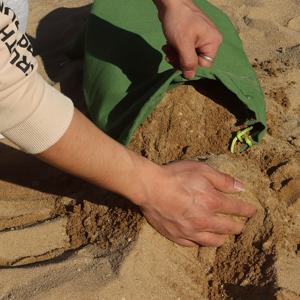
(166, 6)
(145, 177)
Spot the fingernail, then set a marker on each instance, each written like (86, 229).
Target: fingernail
(189, 74)
(239, 186)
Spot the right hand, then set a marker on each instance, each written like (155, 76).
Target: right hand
(188, 31)
(188, 205)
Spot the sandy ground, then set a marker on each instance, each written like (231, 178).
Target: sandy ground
(61, 238)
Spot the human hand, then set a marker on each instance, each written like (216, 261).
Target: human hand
(188, 31)
(188, 205)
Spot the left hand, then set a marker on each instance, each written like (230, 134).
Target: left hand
(188, 31)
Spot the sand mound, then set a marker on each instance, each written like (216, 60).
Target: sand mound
(188, 123)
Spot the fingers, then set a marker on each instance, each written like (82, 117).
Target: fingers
(205, 62)
(204, 239)
(218, 224)
(186, 243)
(215, 233)
(210, 239)
(212, 232)
(187, 58)
(235, 207)
(221, 203)
(184, 59)
(224, 225)
(210, 50)
(221, 181)
(185, 55)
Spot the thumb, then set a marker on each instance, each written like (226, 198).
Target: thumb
(224, 182)
(188, 59)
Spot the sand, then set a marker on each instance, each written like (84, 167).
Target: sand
(61, 238)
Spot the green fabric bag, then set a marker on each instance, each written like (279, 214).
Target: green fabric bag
(126, 75)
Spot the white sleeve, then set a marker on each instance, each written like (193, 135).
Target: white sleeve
(33, 114)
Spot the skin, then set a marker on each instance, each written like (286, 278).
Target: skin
(187, 202)
(188, 31)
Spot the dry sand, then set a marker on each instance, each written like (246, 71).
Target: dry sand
(68, 240)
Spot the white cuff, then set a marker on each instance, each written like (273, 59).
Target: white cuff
(46, 125)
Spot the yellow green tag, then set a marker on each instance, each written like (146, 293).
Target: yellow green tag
(244, 137)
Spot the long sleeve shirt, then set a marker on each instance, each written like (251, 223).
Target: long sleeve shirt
(33, 114)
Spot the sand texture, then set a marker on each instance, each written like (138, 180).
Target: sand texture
(61, 238)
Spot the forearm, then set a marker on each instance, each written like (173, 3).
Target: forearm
(86, 152)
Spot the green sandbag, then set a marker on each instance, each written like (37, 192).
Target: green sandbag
(126, 75)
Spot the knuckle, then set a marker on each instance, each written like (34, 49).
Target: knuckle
(219, 38)
(212, 204)
(185, 233)
(239, 207)
(185, 230)
(228, 180)
(203, 167)
(202, 224)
